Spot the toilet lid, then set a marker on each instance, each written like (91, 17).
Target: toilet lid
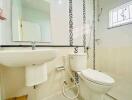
(97, 77)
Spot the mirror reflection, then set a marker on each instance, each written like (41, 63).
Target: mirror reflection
(31, 20)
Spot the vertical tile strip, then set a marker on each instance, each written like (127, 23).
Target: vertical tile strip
(94, 36)
(70, 23)
(84, 25)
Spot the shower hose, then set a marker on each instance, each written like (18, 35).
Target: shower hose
(76, 85)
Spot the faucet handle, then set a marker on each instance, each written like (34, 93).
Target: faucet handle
(33, 44)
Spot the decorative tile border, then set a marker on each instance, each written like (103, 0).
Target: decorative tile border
(70, 23)
(84, 24)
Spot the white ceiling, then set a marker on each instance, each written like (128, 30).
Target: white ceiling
(43, 5)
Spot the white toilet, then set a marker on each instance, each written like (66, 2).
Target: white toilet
(97, 82)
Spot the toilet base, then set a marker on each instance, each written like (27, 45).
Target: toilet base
(89, 94)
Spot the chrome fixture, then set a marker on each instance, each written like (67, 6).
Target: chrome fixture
(77, 78)
(100, 13)
(76, 50)
(60, 68)
(33, 45)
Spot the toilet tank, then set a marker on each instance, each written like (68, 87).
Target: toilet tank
(78, 62)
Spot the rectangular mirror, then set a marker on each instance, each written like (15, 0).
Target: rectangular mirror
(31, 20)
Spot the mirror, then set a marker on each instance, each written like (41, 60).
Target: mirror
(31, 20)
(69, 20)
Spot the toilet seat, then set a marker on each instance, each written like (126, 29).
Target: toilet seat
(97, 77)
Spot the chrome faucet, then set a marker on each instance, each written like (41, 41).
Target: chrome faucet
(33, 45)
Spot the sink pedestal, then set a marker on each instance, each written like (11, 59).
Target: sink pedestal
(35, 74)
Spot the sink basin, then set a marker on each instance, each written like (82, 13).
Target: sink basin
(23, 58)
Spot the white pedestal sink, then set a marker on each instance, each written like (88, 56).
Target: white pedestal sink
(34, 61)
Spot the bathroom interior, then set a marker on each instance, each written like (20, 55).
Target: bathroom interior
(65, 49)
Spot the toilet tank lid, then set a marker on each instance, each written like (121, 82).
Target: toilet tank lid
(97, 77)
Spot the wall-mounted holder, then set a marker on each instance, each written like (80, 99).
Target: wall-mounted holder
(100, 13)
(60, 68)
(98, 41)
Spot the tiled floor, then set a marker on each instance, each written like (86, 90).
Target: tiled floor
(108, 98)
(61, 97)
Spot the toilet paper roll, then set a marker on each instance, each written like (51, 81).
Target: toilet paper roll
(36, 74)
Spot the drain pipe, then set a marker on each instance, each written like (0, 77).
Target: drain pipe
(94, 45)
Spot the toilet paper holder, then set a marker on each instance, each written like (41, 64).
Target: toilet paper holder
(60, 68)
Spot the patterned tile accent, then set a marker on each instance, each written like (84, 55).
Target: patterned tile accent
(84, 23)
(70, 23)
